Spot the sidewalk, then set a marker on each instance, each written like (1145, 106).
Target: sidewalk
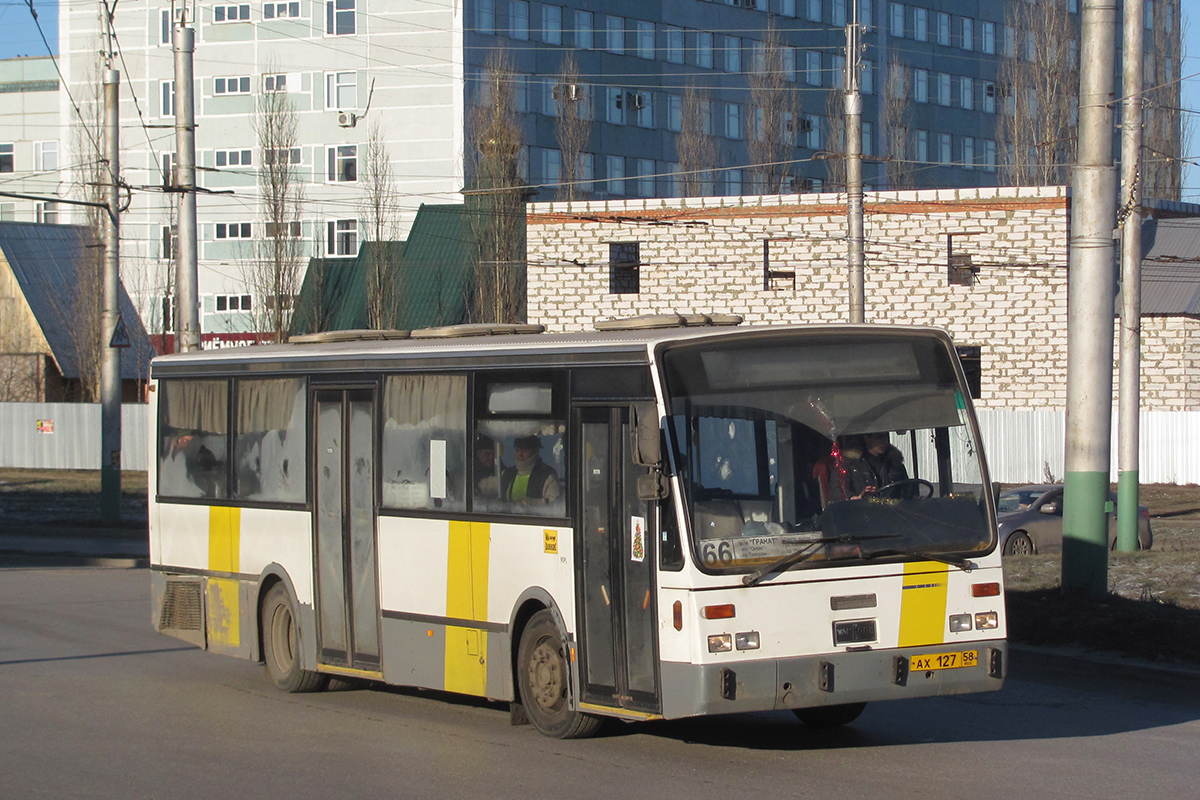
(66, 545)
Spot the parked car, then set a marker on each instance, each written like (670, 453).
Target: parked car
(1031, 520)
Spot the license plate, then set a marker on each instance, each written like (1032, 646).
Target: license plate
(932, 661)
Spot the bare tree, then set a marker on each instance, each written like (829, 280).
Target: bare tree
(774, 114)
(695, 146)
(379, 200)
(273, 273)
(1039, 88)
(496, 196)
(834, 141)
(573, 125)
(896, 121)
(1163, 136)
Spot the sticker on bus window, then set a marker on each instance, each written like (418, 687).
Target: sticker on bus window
(637, 545)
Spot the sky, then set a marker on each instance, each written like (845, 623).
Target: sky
(19, 36)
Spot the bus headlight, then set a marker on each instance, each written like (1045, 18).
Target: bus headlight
(720, 643)
(960, 623)
(746, 641)
(987, 621)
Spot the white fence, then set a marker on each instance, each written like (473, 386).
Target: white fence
(1021, 446)
(67, 435)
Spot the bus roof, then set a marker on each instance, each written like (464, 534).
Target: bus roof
(514, 350)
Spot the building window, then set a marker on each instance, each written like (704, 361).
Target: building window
(733, 121)
(921, 143)
(231, 13)
(518, 19)
(168, 169)
(733, 54)
(45, 156)
(552, 167)
(944, 155)
(704, 49)
(281, 10)
(866, 81)
(921, 24)
(674, 113)
(584, 26)
(943, 87)
(838, 14)
(485, 16)
(813, 11)
(645, 177)
(552, 24)
(615, 106)
(614, 35)
(920, 85)
(233, 230)
(989, 155)
(233, 158)
(274, 83)
(645, 40)
(624, 264)
(286, 230)
(285, 155)
(988, 31)
(46, 212)
(787, 8)
(733, 181)
(615, 166)
(642, 105)
(972, 364)
(943, 29)
(989, 98)
(170, 242)
(343, 163)
(897, 19)
(810, 132)
(837, 69)
(812, 68)
(232, 302)
(339, 17)
(238, 85)
(966, 93)
(166, 94)
(968, 152)
(341, 91)
(968, 34)
(342, 237)
(674, 38)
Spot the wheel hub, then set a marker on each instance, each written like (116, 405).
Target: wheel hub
(546, 675)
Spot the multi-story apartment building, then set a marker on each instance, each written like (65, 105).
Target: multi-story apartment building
(30, 143)
(413, 70)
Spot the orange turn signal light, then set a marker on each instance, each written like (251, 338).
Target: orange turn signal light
(985, 590)
(717, 612)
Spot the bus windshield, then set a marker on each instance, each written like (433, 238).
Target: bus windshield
(804, 452)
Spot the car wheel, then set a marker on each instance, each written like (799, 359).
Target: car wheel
(280, 645)
(544, 682)
(1018, 544)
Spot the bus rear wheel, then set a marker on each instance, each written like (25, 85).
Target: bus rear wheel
(829, 716)
(544, 682)
(281, 645)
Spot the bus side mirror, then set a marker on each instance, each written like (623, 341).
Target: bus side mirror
(647, 436)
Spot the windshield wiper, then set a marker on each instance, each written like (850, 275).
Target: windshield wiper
(803, 554)
(964, 564)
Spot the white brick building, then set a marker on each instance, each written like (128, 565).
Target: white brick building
(988, 265)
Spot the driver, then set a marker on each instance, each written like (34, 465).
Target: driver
(874, 464)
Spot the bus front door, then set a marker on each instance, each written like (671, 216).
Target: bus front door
(615, 575)
(347, 596)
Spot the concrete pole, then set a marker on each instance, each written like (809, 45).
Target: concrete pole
(110, 313)
(1090, 292)
(1131, 280)
(187, 299)
(854, 190)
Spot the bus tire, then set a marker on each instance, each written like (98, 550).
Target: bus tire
(544, 682)
(829, 716)
(281, 645)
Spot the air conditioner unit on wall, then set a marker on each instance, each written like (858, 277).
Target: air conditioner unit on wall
(347, 119)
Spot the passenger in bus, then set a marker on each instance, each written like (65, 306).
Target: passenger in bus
(530, 481)
(487, 474)
(868, 464)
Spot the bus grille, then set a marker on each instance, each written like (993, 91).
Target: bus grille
(182, 607)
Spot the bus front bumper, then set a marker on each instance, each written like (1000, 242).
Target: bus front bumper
(832, 679)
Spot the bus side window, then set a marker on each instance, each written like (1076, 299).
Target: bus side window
(269, 446)
(424, 447)
(194, 439)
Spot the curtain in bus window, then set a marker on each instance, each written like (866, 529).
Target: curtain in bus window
(269, 445)
(425, 442)
(193, 442)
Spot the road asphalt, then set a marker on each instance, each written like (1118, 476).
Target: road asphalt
(129, 548)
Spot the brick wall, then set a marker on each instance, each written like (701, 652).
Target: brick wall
(707, 255)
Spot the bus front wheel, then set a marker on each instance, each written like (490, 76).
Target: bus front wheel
(281, 645)
(829, 716)
(544, 682)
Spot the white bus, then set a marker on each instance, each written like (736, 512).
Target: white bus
(674, 516)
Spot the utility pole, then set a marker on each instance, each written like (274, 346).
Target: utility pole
(187, 307)
(111, 325)
(854, 190)
(1090, 292)
(1128, 427)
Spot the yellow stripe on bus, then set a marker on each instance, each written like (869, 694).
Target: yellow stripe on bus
(224, 539)
(466, 598)
(224, 555)
(923, 604)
